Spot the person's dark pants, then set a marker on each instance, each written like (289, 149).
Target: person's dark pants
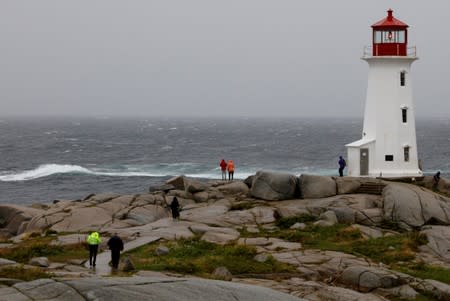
(175, 213)
(92, 254)
(230, 175)
(115, 257)
(341, 172)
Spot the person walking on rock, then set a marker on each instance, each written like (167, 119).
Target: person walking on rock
(115, 244)
(223, 167)
(342, 165)
(175, 208)
(93, 241)
(230, 167)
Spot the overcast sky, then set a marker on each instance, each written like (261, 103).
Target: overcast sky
(206, 58)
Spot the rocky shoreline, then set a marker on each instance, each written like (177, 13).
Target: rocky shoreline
(220, 212)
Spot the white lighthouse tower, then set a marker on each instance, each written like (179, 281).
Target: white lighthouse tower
(388, 145)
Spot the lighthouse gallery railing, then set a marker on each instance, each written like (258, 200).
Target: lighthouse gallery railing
(410, 51)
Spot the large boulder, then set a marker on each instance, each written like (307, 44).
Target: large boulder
(274, 186)
(366, 279)
(438, 241)
(316, 187)
(193, 186)
(236, 187)
(14, 219)
(347, 184)
(411, 206)
(147, 214)
(177, 182)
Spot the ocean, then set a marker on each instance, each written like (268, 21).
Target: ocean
(46, 159)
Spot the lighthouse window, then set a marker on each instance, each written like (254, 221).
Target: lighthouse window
(406, 153)
(401, 36)
(402, 78)
(389, 36)
(389, 158)
(378, 37)
(404, 115)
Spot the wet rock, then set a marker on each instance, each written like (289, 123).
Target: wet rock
(366, 279)
(194, 186)
(6, 262)
(222, 273)
(162, 250)
(263, 257)
(298, 226)
(177, 182)
(347, 185)
(236, 187)
(316, 187)
(126, 264)
(274, 186)
(40, 261)
(411, 207)
(164, 188)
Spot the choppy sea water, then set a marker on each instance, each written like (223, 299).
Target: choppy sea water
(46, 159)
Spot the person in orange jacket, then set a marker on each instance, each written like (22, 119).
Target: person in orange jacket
(223, 167)
(230, 167)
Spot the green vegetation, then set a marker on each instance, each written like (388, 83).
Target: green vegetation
(425, 271)
(347, 239)
(242, 206)
(287, 222)
(418, 298)
(40, 246)
(23, 274)
(201, 258)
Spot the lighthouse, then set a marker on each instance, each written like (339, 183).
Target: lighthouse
(388, 146)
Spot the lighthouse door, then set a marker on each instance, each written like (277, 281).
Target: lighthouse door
(364, 162)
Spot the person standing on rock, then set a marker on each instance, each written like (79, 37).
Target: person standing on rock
(230, 167)
(436, 179)
(223, 167)
(342, 165)
(93, 241)
(115, 244)
(175, 208)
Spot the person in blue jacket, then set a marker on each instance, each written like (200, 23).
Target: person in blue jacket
(342, 165)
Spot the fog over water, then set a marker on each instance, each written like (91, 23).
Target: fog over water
(209, 58)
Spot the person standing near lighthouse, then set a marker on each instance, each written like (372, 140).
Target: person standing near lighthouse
(342, 165)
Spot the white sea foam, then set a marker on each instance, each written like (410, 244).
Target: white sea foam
(152, 170)
(43, 171)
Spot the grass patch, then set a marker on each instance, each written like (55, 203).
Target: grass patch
(347, 239)
(40, 246)
(425, 271)
(23, 274)
(419, 297)
(201, 258)
(242, 206)
(287, 222)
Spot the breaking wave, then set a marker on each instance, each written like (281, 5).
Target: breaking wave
(152, 170)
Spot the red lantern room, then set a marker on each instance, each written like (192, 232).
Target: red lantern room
(390, 37)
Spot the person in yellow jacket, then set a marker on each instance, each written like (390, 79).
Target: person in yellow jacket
(230, 167)
(93, 240)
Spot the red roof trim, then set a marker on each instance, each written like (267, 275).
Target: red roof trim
(390, 21)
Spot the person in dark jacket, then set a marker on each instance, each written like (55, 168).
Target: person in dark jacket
(436, 179)
(175, 208)
(342, 165)
(115, 244)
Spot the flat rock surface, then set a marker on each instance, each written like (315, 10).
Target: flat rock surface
(140, 288)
